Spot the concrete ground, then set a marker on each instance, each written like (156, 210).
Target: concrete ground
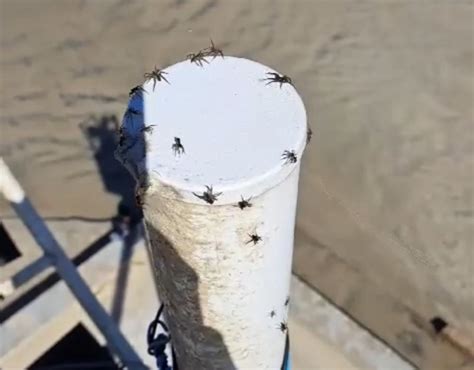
(386, 199)
(322, 337)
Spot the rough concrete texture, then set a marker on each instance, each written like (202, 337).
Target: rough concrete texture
(387, 183)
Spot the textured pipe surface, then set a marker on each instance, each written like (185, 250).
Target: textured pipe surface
(219, 289)
(226, 294)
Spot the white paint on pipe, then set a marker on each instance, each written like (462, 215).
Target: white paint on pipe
(225, 294)
(9, 186)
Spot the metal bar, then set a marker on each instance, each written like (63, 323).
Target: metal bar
(13, 192)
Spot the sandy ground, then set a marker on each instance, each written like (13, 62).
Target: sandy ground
(386, 186)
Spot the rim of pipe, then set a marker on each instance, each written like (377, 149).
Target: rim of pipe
(236, 128)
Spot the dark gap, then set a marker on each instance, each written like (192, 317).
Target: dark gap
(77, 350)
(438, 324)
(8, 249)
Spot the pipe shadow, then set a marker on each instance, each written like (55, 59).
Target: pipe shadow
(129, 242)
(101, 134)
(178, 287)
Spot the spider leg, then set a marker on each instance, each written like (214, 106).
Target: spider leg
(164, 78)
(199, 196)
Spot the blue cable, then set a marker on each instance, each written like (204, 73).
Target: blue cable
(157, 345)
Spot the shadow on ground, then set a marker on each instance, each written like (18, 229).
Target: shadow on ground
(102, 136)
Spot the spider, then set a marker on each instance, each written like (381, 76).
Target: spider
(289, 156)
(121, 139)
(212, 51)
(135, 90)
(139, 201)
(254, 238)
(177, 147)
(272, 313)
(309, 134)
(287, 301)
(208, 196)
(275, 77)
(130, 113)
(140, 193)
(283, 327)
(244, 203)
(148, 128)
(198, 58)
(155, 75)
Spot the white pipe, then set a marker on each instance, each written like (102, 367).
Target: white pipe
(226, 294)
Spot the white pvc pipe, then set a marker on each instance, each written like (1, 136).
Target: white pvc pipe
(226, 295)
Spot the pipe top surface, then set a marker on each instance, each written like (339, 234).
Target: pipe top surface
(234, 127)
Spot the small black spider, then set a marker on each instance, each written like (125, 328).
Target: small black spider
(244, 203)
(208, 196)
(275, 77)
(121, 139)
(254, 238)
(121, 136)
(139, 201)
(130, 113)
(283, 327)
(133, 111)
(287, 301)
(155, 75)
(289, 156)
(177, 147)
(309, 134)
(272, 313)
(148, 128)
(212, 51)
(135, 90)
(198, 58)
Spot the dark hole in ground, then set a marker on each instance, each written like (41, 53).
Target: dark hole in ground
(8, 249)
(438, 324)
(78, 349)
